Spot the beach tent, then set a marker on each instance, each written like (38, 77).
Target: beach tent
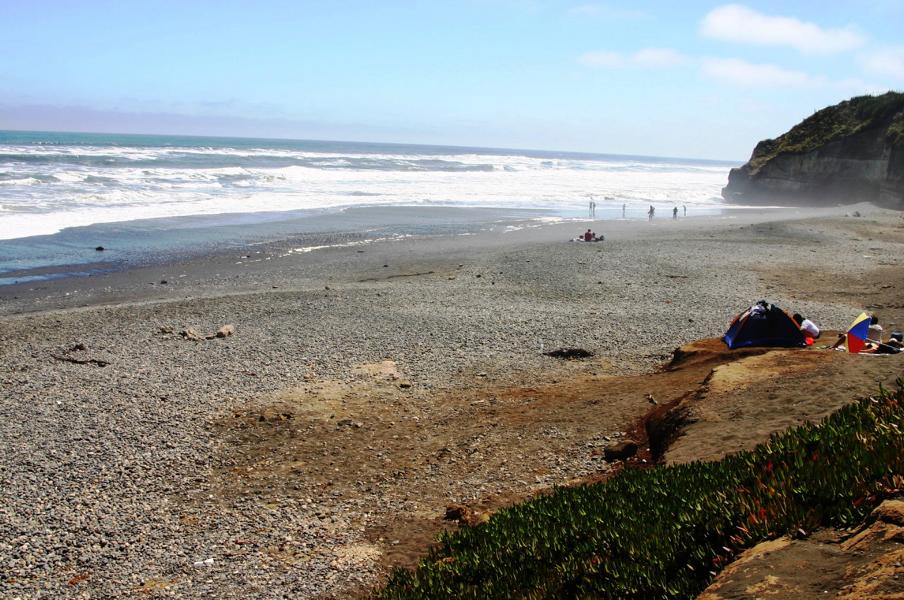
(763, 325)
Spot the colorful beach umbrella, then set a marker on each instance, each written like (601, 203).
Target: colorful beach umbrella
(857, 333)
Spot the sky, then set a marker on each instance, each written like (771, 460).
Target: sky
(687, 79)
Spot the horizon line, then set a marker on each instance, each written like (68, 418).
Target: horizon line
(407, 144)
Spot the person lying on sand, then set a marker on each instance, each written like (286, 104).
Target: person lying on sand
(893, 346)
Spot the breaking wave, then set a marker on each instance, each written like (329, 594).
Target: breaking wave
(64, 180)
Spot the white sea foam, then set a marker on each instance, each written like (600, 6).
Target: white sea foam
(21, 181)
(63, 186)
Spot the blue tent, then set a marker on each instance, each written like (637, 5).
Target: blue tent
(763, 325)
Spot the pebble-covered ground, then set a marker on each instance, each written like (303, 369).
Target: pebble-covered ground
(111, 471)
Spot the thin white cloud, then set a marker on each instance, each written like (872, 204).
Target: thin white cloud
(645, 57)
(740, 24)
(745, 74)
(886, 61)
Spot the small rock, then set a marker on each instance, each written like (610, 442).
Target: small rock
(404, 384)
(207, 562)
(465, 516)
(620, 451)
(890, 511)
(163, 282)
(100, 248)
(225, 331)
(191, 335)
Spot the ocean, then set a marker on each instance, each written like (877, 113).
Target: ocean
(50, 181)
(150, 198)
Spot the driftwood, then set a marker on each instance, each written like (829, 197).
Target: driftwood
(81, 361)
(569, 353)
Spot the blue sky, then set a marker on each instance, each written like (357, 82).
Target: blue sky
(694, 79)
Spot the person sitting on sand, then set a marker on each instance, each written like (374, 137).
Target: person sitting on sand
(807, 326)
(875, 330)
(589, 236)
(896, 340)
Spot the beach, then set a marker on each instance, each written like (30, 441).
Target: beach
(369, 381)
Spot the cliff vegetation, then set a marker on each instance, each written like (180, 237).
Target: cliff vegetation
(835, 122)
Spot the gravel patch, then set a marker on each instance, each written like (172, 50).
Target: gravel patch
(105, 474)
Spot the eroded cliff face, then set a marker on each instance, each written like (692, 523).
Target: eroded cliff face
(866, 166)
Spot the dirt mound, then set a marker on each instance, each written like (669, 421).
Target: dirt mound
(742, 402)
(709, 351)
(862, 566)
(407, 453)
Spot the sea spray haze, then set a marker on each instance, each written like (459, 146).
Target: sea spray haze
(49, 181)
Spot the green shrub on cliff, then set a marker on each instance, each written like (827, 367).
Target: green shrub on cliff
(664, 532)
(834, 122)
(895, 133)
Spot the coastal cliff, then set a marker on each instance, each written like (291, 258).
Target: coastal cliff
(850, 152)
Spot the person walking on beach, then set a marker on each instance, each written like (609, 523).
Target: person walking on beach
(623, 206)
(651, 212)
(685, 209)
(675, 213)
